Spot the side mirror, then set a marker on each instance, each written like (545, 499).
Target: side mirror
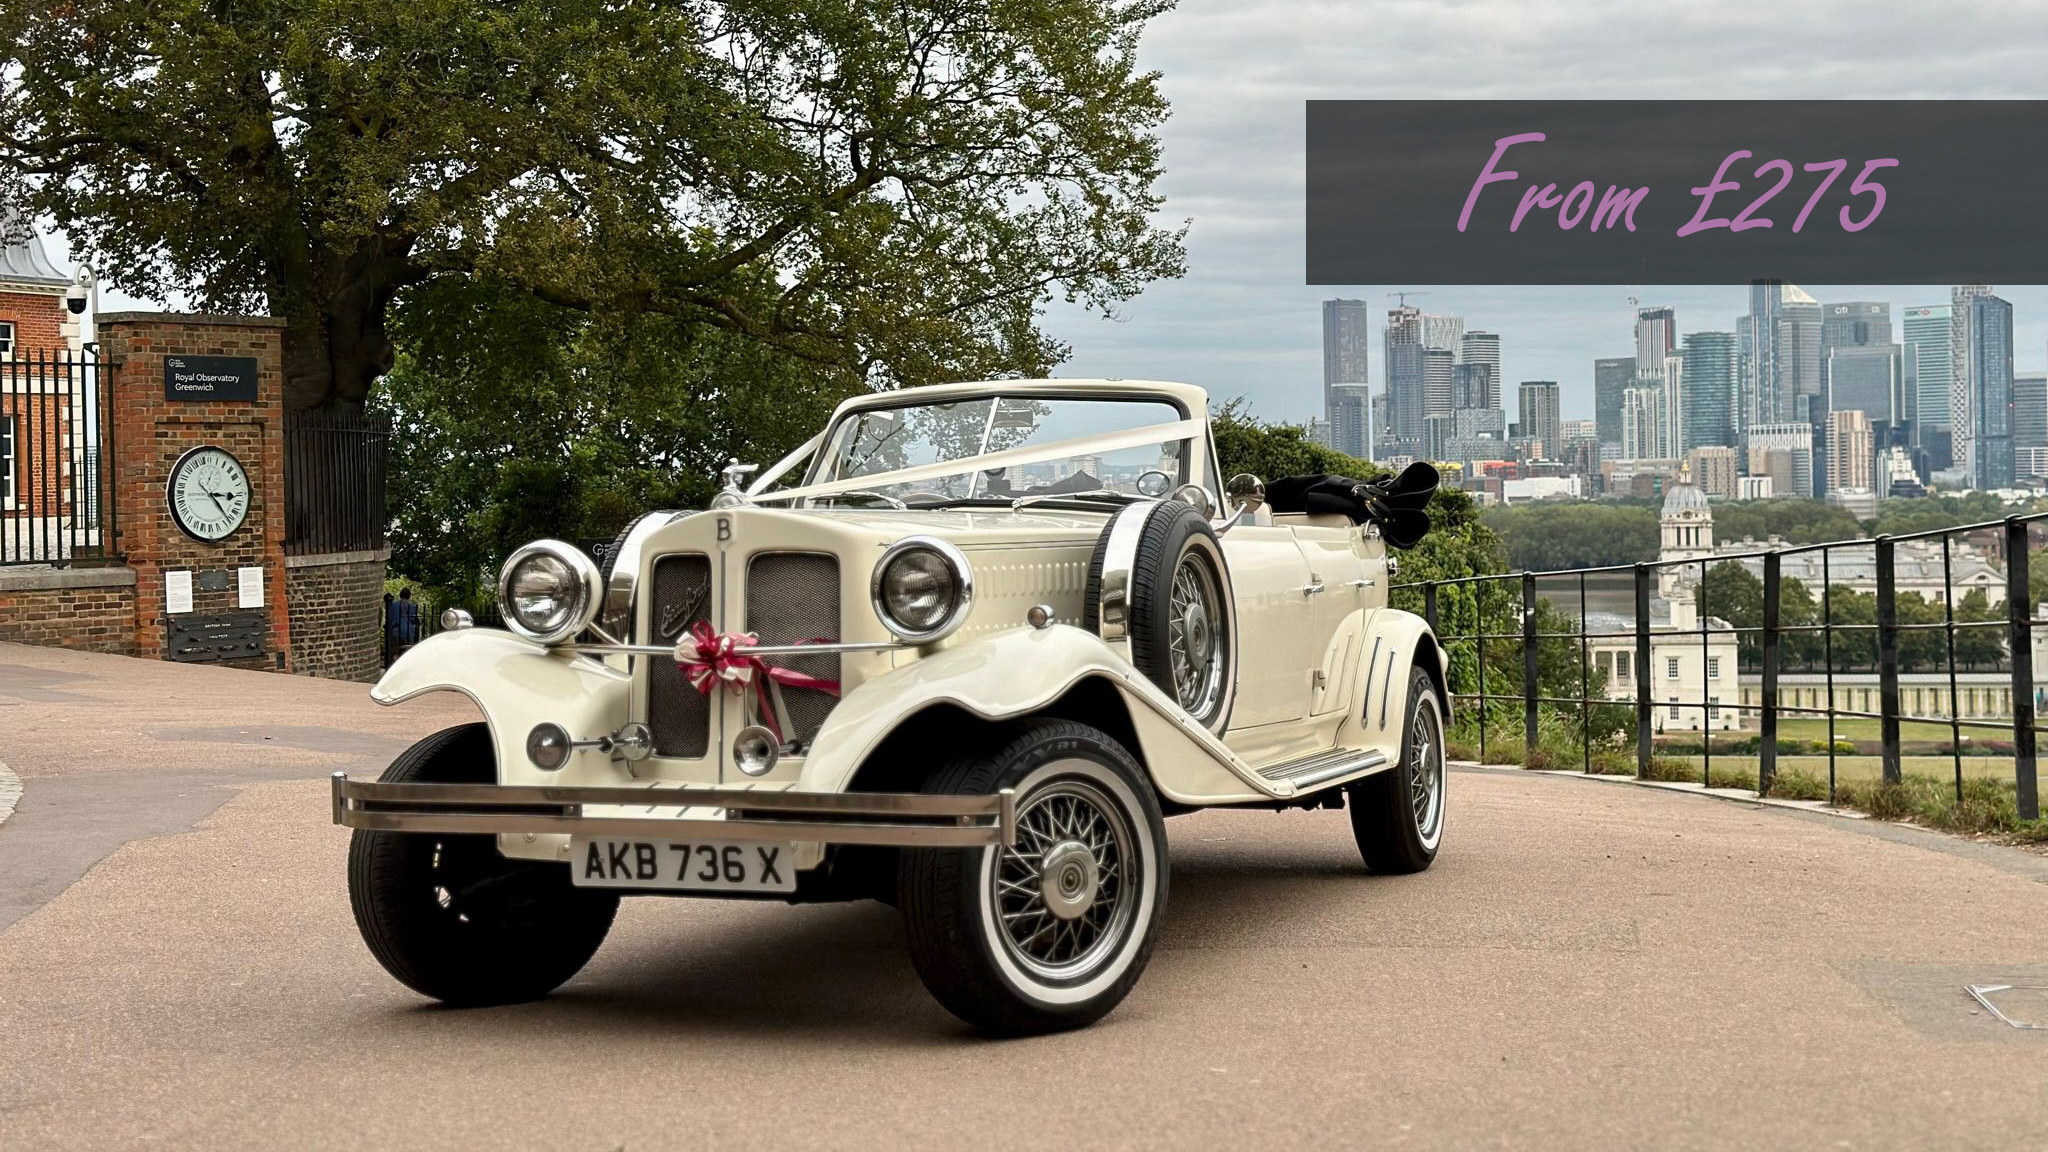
(1247, 492)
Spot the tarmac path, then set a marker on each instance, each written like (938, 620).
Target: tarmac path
(1588, 966)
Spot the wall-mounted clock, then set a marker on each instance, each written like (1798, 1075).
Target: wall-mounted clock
(208, 493)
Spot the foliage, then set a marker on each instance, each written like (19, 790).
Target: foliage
(1791, 519)
(913, 179)
(1546, 536)
(518, 419)
(1898, 517)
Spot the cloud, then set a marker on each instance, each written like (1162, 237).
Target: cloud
(1242, 322)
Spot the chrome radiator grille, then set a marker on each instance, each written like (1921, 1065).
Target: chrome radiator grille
(679, 715)
(793, 597)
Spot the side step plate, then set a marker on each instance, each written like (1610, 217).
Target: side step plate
(1323, 767)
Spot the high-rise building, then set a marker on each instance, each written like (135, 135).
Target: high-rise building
(1346, 398)
(1799, 349)
(1926, 332)
(1961, 345)
(1759, 341)
(1540, 417)
(1643, 423)
(1474, 385)
(1713, 470)
(1611, 377)
(1712, 384)
(1784, 452)
(1656, 334)
(1672, 380)
(1852, 451)
(1869, 379)
(1437, 367)
(2029, 412)
(1855, 324)
(1483, 349)
(1445, 332)
(1406, 407)
(1991, 399)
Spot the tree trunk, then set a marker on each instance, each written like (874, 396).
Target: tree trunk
(337, 345)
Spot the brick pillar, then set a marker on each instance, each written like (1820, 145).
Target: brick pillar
(151, 430)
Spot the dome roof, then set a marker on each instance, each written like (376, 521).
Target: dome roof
(1684, 498)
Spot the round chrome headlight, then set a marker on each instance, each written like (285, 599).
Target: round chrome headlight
(922, 588)
(549, 591)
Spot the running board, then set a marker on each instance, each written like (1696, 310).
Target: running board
(1312, 772)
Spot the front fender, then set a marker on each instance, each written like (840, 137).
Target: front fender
(516, 684)
(1015, 673)
(1394, 642)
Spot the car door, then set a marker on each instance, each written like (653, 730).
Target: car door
(1340, 576)
(1276, 624)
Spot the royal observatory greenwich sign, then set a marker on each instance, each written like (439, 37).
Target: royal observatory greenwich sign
(203, 379)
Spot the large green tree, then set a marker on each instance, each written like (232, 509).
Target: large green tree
(911, 178)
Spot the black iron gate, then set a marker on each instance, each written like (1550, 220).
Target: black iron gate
(56, 498)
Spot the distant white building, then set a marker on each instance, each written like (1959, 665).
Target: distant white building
(1686, 669)
(1541, 488)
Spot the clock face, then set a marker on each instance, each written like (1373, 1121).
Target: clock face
(209, 493)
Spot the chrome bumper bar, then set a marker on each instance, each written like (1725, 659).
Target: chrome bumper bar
(902, 819)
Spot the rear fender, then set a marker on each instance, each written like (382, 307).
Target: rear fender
(1395, 641)
(1017, 673)
(517, 684)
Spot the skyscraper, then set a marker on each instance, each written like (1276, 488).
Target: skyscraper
(1711, 390)
(1437, 367)
(1782, 338)
(1784, 452)
(1643, 423)
(1759, 341)
(1926, 331)
(2029, 412)
(1346, 402)
(1854, 324)
(1656, 334)
(1540, 416)
(1445, 332)
(1867, 379)
(1611, 377)
(1483, 349)
(1405, 404)
(1963, 430)
(1852, 450)
(1799, 352)
(1991, 392)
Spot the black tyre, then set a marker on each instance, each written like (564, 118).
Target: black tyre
(452, 919)
(1052, 932)
(1178, 615)
(1398, 815)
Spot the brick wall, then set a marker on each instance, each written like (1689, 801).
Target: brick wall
(337, 604)
(151, 432)
(38, 320)
(92, 610)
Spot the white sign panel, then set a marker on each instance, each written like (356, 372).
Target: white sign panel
(249, 587)
(177, 592)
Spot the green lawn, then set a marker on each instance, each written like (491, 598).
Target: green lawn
(1816, 728)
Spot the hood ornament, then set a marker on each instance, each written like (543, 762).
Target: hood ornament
(733, 495)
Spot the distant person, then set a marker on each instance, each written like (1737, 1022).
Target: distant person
(402, 623)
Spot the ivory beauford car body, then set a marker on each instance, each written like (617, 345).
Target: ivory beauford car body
(962, 652)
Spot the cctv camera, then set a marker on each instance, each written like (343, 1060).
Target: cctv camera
(74, 299)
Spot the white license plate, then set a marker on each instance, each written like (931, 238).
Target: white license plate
(697, 865)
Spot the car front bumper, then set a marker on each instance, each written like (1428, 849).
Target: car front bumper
(899, 819)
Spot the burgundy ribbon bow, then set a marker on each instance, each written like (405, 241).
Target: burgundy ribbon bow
(709, 658)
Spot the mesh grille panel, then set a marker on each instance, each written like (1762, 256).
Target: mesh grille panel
(679, 715)
(793, 597)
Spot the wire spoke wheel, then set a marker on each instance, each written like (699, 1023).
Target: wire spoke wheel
(1426, 774)
(1063, 893)
(1195, 646)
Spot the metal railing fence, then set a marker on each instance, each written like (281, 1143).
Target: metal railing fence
(56, 499)
(1507, 611)
(334, 477)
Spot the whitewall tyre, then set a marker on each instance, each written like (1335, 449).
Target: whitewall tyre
(1052, 932)
(1398, 815)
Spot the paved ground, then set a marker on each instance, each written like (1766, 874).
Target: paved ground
(1588, 966)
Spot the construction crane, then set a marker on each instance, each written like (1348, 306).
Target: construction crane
(1403, 296)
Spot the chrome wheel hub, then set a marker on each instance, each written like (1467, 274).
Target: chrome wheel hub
(1426, 780)
(1068, 880)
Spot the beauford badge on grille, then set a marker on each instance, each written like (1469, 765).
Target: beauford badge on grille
(960, 653)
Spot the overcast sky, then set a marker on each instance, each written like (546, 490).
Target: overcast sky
(1243, 322)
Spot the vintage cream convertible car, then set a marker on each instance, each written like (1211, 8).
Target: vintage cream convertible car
(962, 653)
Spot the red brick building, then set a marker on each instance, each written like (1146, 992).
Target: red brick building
(41, 445)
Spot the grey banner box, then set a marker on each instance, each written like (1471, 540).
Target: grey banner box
(1389, 179)
(210, 379)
